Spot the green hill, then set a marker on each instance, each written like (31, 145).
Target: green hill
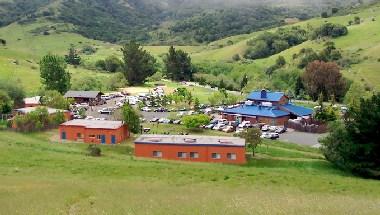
(41, 176)
(27, 43)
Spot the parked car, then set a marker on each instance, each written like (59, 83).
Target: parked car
(105, 111)
(239, 130)
(272, 128)
(228, 129)
(177, 122)
(222, 121)
(210, 126)
(265, 128)
(146, 109)
(105, 97)
(89, 118)
(220, 109)
(271, 136)
(219, 127)
(100, 119)
(154, 120)
(280, 130)
(162, 120)
(180, 114)
(245, 124)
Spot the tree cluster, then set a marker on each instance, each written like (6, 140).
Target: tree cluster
(53, 73)
(178, 65)
(111, 64)
(354, 145)
(307, 55)
(269, 43)
(38, 120)
(329, 30)
(195, 121)
(73, 57)
(138, 63)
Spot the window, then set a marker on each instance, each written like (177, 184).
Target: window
(92, 136)
(231, 156)
(157, 154)
(181, 154)
(98, 137)
(194, 155)
(215, 156)
(79, 135)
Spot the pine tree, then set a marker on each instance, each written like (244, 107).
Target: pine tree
(72, 57)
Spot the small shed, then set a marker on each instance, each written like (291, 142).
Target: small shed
(90, 97)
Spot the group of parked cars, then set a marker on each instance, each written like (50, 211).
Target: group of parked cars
(165, 121)
(268, 132)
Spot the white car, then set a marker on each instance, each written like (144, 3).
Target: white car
(220, 109)
(265, 128)
(222, 121)
(89, 118)
(105, 111)
(268, 135)
(228, 129)
(239, 130)
(272, 128)
(219, 127)
(210, 126)
(146, 109)
(105, 97)
(245, 124)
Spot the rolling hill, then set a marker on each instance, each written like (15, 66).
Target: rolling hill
(27, 43)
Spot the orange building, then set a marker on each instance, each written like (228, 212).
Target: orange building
(94, 131)
(192, 148)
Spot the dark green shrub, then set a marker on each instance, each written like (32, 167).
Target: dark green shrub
(94, 150)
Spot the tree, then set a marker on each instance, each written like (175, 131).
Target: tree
(325, 78)
(354, 145)
(280, 61)
(131, 118)
(244, 82)
(252, 138)
(236, 57)
(14, 90)
(196, 104)
(357, 20)
(334, 10)
(3, 42)
(53, 73)
(116, 81)
(178, 65)
(54, 99)
(6, 103)
(72, 57)
(138, 64)
(112, 64)
(195, 121)
(324, 15)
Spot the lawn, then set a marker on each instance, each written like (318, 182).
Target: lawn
(43, 177)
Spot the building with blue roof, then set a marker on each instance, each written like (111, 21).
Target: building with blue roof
(267, 107)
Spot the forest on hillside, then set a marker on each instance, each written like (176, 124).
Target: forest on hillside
(164, 22)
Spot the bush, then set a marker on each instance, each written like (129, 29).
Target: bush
(94, 150)
(329, 30)
(195, 121)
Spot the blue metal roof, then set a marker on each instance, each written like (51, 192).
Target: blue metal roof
(270, 96)
(253, 110)
(297, 110)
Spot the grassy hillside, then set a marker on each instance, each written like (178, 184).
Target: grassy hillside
(363, 39)
(43, 177)
(26, 44)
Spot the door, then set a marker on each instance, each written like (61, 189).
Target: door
(63, 135)
(103, 139)
(113, 139)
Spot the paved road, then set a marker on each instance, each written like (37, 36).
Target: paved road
(301, 138)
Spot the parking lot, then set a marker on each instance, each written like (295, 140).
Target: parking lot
(290, 136)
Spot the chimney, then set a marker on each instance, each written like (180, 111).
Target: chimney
(263, 94)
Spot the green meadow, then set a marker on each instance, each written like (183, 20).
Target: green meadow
(40, 176)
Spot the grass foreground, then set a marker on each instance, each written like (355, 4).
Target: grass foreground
(39, 176)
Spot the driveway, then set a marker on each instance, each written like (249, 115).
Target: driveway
(301, 138)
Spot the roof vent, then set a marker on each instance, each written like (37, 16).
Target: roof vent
(190, 140)
(225, 142)
(155, 140)
(263, 94)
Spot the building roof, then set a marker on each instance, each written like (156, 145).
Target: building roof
(30, 109)
(104, 124)
(255, 110)
(297, 110)
(82, 94)
(192, 140)
(33, 100)
(270, 96)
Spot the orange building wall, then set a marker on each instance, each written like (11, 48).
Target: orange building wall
(170, 152)
(121, 134)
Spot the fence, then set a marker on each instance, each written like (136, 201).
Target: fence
(310, 127)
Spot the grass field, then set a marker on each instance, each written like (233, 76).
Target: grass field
(42, 177)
